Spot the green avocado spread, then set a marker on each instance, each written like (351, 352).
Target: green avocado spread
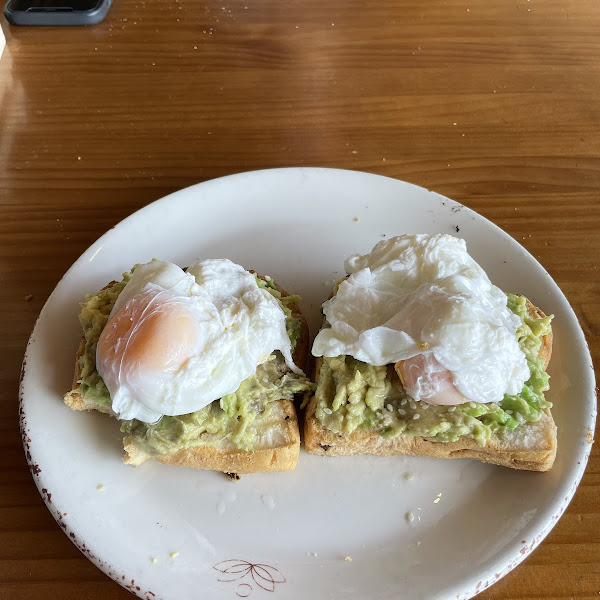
(354, 395)
(232, 417)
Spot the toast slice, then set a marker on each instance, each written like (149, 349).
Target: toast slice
(275, 444)
(531, 446)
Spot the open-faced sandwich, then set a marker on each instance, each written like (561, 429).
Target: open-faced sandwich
(200, 366)
(422, 355)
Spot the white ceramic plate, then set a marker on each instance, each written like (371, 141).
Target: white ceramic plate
(287, 535)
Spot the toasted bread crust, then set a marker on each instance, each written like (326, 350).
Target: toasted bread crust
(283, 457)
(508, 450)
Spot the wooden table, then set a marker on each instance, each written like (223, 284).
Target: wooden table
(495, 104)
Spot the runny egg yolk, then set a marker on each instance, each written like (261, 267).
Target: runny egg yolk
(433, 380)
(148, 335)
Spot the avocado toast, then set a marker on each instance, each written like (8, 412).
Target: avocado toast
(420, 354)
(252, 429)
(495, 436)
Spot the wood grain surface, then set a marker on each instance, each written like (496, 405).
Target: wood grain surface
(495, 104)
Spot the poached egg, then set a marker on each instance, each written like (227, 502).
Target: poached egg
(422, 303)
(177, 340)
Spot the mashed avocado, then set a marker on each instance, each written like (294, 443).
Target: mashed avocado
(354, 395)
(292, 325)
(231, 418)
(95, 310)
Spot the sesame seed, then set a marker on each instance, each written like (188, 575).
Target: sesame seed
(424, 405)
(472, 405)
(100, 487)
(409, 476)
(174, 554)
(409, 517)
(154, 560)
(452, 409)
(416, 416)
(413, 405)
(403, 402)
(401, 411)
(390, 407)
(348, 559)
(508, 411)
(327, 411)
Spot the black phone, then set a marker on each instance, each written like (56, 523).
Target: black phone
(56, 12)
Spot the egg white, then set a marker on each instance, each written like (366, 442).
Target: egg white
(238, 326)
(419, 294)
